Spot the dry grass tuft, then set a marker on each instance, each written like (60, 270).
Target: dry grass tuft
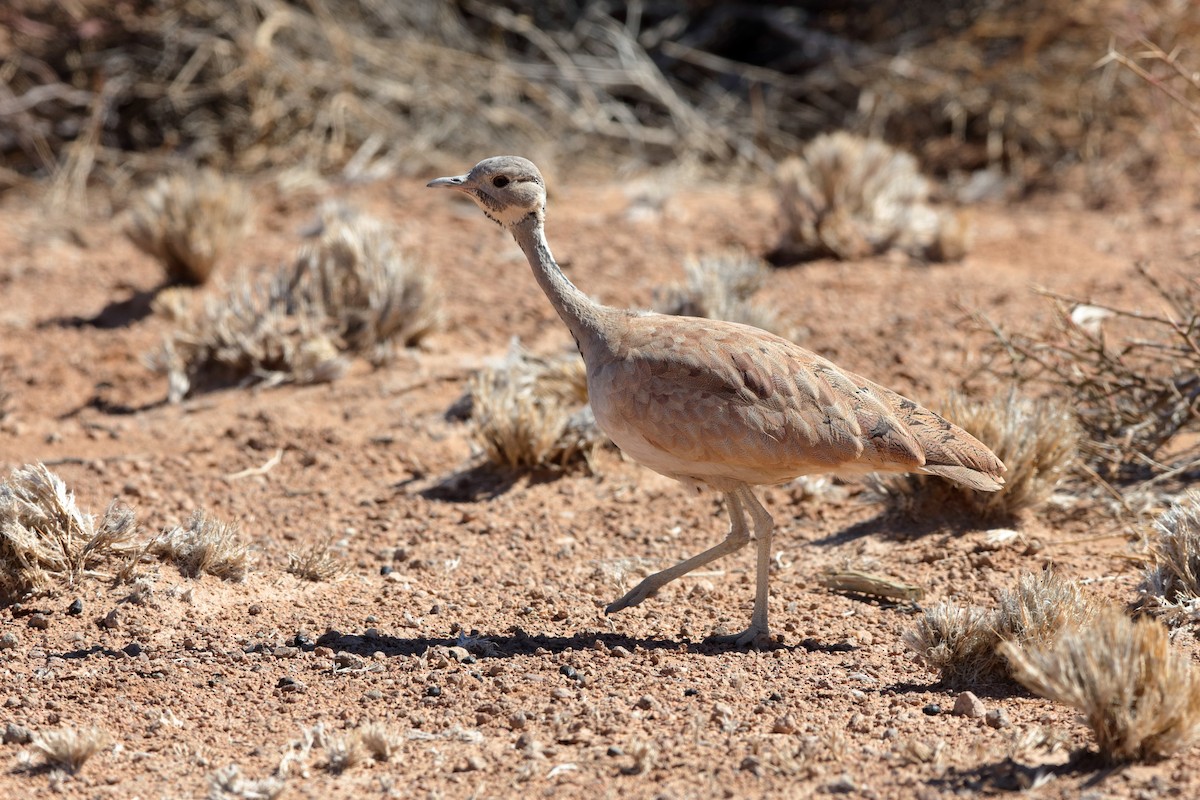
(957, 641)
(1173, 582)
(69, 748)
(532, 412)
(187, 220)
(315, 564)
(206, 545)
(228, 784)
(960, 642)
(1037, 440)
(720, 287)
(350, 292)
(1140, 698)
(44, 535)
(380, 741)
(851, 197)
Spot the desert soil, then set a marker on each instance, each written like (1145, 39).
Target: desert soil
(554, 699)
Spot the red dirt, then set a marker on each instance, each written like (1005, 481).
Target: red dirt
(651, 710)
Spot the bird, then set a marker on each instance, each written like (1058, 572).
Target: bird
(720, 405)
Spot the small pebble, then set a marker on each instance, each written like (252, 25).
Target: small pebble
(433, 691)
(111, 620)
(133, 649)
(932, 710)
(76, 607)
(997, 718)
(645, 702)
(386, 569)
(968, 705)
(8, 641)
(844, 784)
(289, 685)
(17, 734)
(286, 652)
(346, 660)
(620, 652)
(254, 610)
(567, 670)
(39, 621)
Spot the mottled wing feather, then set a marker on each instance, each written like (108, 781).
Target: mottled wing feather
(725, 397)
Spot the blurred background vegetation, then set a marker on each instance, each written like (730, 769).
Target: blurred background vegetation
(99, 92)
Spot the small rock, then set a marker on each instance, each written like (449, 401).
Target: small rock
(517, 720)
(17, 734)
(473, 763)
(303, 639)
(8, 641)
(289, 685)
(462, 655)
(254, 610)
(76, 607)
(386, 569)
(286, 652)
(932, 710)
(568, 671)
(997, 718)
(344, 660)
(614, 750)
(373, 694)
(620, 652)
(321, 651)
(645, 702)
(785, 724)
(968, 705)
(111, 620)
(844, 784)
(133, 649)
(433, 691)
(39, 621)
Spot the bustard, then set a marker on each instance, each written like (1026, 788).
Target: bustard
(721, 405)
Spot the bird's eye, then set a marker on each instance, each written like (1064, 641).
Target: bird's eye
(499, 181)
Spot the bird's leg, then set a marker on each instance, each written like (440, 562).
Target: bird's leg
(738, 536)
(764, 526)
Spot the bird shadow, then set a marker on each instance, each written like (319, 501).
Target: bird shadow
(1009, 775)
(517, 643)
(481, 482)
(897, 527)
(117, 314)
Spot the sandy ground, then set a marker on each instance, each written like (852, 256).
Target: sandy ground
(547, 697)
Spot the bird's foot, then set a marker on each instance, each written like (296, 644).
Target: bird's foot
(753, 636)
(631, 598)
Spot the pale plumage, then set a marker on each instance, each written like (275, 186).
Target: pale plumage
(722, 405)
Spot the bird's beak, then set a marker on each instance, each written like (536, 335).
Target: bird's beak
(456, 182)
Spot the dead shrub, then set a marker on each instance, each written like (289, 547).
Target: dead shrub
(720, 287)
(44, 535)
(187, 220)
(316, 563)
(69, 748)
(1132, 375)
(1172, 583)
(206, 545)
(531, 412)
(850, 197)
(960, 642)
(350, 292)
(1140, 698)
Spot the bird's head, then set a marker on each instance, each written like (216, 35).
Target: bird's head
(509, 189)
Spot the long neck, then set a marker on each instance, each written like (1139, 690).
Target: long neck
(577, 310)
